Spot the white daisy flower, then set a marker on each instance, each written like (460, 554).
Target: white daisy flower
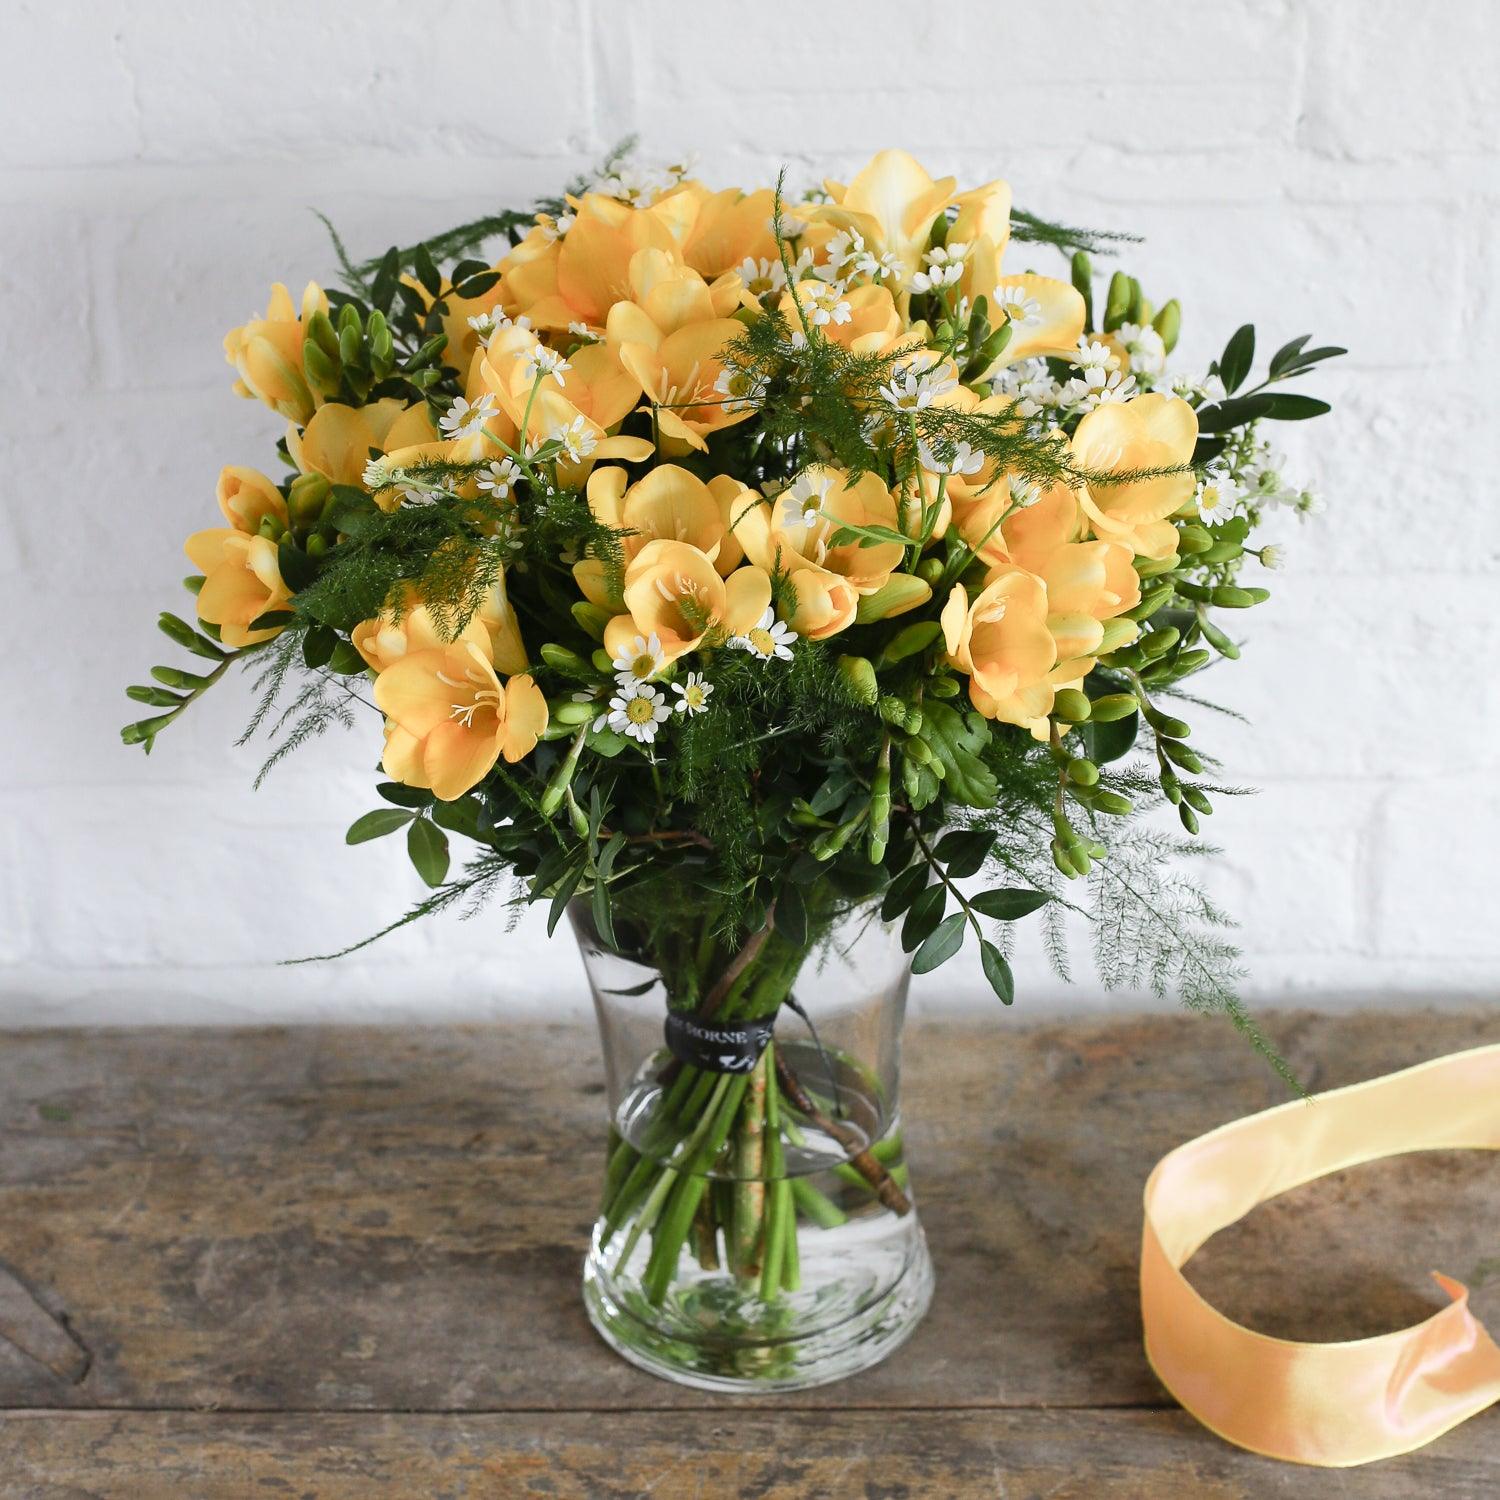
(637, 711)
(962, 459)
(945, 266)
(802, 503)
(761, 277)
(1021, 309)
(1092, 355)
(1217, 495)
(584, 332)
(1143, 344)
(576, 441)
(376, 475)
(463, 420)
(768, 637)
(1273, 557)
(692, 694)
(740, 389)
(915, 386)
(540, 361)
(498, 477)
(823, 303)
(642, 660)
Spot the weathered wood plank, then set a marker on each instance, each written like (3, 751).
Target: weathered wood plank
(394, 1220)
(1017, 1455)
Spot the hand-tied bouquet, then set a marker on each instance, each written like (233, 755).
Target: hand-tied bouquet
(722, 565)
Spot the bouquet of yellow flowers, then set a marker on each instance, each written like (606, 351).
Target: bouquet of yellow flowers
(744, 574)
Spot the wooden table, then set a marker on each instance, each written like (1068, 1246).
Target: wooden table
(344, 1264)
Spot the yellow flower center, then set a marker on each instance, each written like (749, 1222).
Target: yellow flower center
(639, 710)
(643, 666)
(761, 639)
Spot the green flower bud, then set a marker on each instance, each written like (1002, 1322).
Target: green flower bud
(1116, 633)
(316, 545)
(943, 687)
(912, 723)
(1083, 772)
(1227, 596)
(1222, 552)
(603, 660)
(1172, 787)
(309, 494)
(1082, 272)
(930, 569)
(1111, 802)
(1113, 706)
(320, 330)
(1117, 303)
(1135, 312)
(561, 659)
(918, 751)
(994, 346)
(1179, 754)
(1151, 601)
(1217, 639)
(1197, 800)
(1159, 642)
(576, 815)
(570, 713)
(1168, 323)
(917, 636)
(901, 592)
(591, 619)
(859, 673)
(1165, 724)
(893, 710)
(1189, 818)
(1153, 567)
(1193, 540)
(322, 370)
(1070, 706)
(1062, 858)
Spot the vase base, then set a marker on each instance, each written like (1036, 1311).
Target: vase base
(813, 1342)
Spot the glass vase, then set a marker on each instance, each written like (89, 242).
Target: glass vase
(758, 1230)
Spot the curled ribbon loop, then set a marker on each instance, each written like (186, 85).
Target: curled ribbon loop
(1331, 1404)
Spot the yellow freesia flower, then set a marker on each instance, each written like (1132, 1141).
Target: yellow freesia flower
(791, 534)
(267, 353)
(336, 442)
(247, 497)
(1148, 432)
(387, 638)
(241, 581)
(717, 232)
(891, 203)
(673, 591)
(1002, 641)
(451, 718)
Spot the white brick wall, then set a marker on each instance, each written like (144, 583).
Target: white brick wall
(1327, 167)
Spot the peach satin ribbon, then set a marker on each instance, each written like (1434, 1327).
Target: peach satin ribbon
(1330, 1404)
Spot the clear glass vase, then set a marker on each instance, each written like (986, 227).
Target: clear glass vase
(758, 1230)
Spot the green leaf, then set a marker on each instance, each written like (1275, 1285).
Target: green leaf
(404, 796)
(1286, 407)
(599, 902)
(868, 536)
(904, 889)
(1109, 741)
(1238, 356)
(945, 940)
(426, 272)
(318, 645)
(564, 894)
(1228, 414)
(273, 619)
(477, 285)
(834, 792)
(926, 912)
(427, 845)
(956, 738)
(997, 971)
(791, 916)
(297, 568)
(964, 851)
(1286, 356)
(375, 825)
(387, 277)
(1008, 903)
(459, 816)
(346, 660)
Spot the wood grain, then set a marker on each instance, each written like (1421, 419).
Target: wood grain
(343, 1222)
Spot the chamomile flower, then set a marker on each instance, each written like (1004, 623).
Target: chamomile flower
(638, 711)
(960, 459)
(541, 361)
(823, 303)
(761, 277)
(802, 503)
(1148, 355)
(575, 441)
(768, 637)
(1096, 386)
(841, 248)
(740, 389)
(1273, 557)
(583, 332)
(914, 386)
(464, 419)
(1092, 355)
(884, 267)
(642, 660)
(1217, 495)
(498, 477)
(377, 474)
(945, 267)
(692, 694)
(1019, 306)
